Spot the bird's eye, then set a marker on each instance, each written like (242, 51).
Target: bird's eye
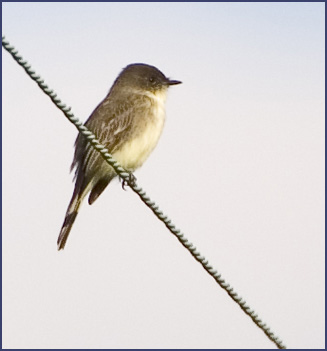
(152, 80)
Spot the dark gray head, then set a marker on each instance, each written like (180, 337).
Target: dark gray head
(142, 76)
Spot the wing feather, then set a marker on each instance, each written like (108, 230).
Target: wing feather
(112, 126)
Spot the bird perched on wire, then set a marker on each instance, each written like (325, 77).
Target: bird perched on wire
(128, 122)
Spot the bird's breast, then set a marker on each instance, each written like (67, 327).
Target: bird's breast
(147, 130)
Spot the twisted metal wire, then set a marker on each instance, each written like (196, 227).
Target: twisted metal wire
(126, 176)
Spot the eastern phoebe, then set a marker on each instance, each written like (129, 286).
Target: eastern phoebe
(128, 122)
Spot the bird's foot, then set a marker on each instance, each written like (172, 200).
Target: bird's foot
(131, 180)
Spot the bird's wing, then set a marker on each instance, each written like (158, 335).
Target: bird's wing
(112, 126)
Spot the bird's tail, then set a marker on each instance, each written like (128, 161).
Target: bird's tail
(71, 214)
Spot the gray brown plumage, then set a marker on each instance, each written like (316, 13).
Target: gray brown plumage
(128, 122)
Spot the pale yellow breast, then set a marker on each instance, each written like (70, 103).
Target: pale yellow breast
(135, 151)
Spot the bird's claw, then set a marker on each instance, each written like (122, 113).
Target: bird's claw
(131, 180)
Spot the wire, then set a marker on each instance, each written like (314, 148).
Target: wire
(130, 179)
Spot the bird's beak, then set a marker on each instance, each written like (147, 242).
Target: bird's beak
(173, 82)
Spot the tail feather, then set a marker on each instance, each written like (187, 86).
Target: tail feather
(78, 196)
(71, 214)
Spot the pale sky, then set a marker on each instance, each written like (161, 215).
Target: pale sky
(239, 169)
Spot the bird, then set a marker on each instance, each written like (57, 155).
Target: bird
(128, 122)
